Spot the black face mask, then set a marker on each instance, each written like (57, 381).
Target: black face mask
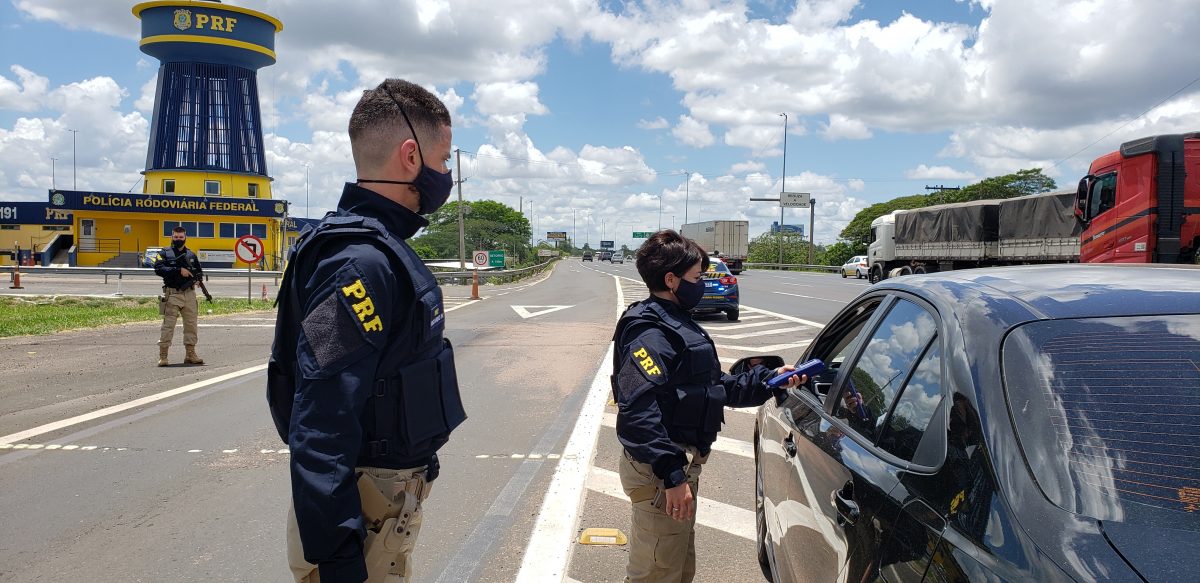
(689, 293)
(433, 187)
(177, 245)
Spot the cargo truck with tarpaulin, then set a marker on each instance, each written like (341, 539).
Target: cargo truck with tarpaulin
(1140, 204)
(730, 240)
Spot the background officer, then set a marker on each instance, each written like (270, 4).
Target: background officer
(180, 270)
(671, 395)
(360, 317)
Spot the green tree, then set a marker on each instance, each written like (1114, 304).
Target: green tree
(487, 225)
(858, 230)
(765, 249)
(839, 253)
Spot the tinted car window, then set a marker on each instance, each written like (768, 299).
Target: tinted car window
(914, 409)
(834, 346)
(1107, 412)
(883, 366)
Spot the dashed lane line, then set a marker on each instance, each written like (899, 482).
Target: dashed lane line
(55, 426)
(732, 446)
(724, 517)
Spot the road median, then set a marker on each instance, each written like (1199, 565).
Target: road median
(22, 316)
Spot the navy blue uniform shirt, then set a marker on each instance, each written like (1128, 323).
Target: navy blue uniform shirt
(641, 427)
(338, 353)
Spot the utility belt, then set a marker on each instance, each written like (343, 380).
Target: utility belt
(654, 490)
(409, 416)
(175, 290)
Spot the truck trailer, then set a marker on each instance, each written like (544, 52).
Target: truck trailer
(1140, 204)
(729, 240)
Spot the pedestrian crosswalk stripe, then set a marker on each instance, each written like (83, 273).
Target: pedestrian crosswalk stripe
(724, 327)
(758, 333)
(709, 512)
(765, 349)
(723, 444)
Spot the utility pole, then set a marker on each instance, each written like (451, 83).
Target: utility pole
(307, 211)
(659, 196)
(812, 217)
(52, 186)
(574, 231)
(74, 182)
(462, 232)
(783, 188)
(685, 195)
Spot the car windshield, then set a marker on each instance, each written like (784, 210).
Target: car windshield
(1107, 413)
(717, 270)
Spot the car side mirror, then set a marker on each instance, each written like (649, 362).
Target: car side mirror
(770, 361)
(1081, 199)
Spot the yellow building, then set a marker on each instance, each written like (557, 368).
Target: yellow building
(205, 163)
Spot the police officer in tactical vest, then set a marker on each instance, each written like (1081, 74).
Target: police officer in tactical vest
(180, 270)
(671, 395)
(361, 383)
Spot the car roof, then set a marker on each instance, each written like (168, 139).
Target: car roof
(1066, 290)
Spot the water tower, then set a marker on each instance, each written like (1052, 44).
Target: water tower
(206, 136)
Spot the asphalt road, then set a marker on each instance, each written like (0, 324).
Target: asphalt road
(192, 485)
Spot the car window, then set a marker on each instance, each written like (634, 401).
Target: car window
(1106, 414)
(914, 409)
(835, 344)
(883, 366)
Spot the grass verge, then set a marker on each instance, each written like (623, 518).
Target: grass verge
(45, 315)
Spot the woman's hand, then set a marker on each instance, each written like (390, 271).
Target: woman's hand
(680, 504)
(795, 380)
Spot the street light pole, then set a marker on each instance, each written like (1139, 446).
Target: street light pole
(74, 182)
(686, 186)
(52, 186)
(462, 232)
(307, 212)
(783, 188)
(659, 211)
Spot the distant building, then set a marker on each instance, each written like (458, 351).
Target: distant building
(788, 229)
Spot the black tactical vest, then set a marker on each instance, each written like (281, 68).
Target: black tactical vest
(415, 402)
(693, 407)
(177, 260)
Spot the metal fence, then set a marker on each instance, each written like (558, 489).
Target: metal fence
(791, 266)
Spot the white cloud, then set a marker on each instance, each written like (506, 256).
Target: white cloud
(924, 172)
(841, 127)
(658, 123)
(747, 166)
(26, 94)
(692, 133)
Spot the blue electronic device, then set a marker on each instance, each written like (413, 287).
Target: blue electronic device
(811, 368)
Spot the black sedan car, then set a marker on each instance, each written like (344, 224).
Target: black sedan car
(1013, 424)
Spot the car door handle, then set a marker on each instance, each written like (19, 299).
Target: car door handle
(789, 446)
(847, 508)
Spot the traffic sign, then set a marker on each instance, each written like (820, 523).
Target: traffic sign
(547, 253)
(556, 235)
(480, 259)
(496, 258)
(642, 234)
(794, 199)
(248, 249)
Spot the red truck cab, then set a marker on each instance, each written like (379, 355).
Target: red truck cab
(1141, 204)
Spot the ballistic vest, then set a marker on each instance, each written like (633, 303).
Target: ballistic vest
(693, 407)
(415, 401)
(186, 259)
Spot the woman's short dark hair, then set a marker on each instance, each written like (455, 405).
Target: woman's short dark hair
(668, 252)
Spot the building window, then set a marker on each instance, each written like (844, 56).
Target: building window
(205, 230)
(169, 226)
(212, 188)
(227, 230)
(243, 229)
(168, 187)
(252, 190)
(56, 228)
(9, 227)
(259, 230)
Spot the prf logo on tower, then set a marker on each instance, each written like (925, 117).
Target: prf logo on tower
(183, 19)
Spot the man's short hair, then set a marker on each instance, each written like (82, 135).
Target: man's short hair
(377, 126)
(667, 252)
(179, 230)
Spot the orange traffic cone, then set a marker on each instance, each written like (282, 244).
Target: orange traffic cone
(16, 283)
(264, 298)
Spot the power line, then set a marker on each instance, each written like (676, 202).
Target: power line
(1122, 126)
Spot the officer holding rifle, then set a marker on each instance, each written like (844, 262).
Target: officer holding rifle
(181, 273)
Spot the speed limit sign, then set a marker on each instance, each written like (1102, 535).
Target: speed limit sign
(480, 259)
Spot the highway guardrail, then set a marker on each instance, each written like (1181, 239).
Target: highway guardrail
(795, 266)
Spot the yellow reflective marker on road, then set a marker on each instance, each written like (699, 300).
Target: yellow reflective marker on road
(602, 536)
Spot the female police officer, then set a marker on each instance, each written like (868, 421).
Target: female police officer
(670, 393)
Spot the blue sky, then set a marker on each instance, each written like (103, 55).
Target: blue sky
(598, 108)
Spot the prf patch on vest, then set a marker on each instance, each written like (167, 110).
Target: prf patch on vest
(363, 306)
(647, 362)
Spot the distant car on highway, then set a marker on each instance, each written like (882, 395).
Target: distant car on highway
(856, 266)
(587, 256)
(1031, 423)
(606, 255)
(618, 258)
(720, 291)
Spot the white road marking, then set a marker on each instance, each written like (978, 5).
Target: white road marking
(765, 349)
(526, 312)
(235, 325)
(710, 513)
(725, 444)
(723, 327)
(55, 426)
(758, 333)
(548, 554)
(783, 316)
(811, 297)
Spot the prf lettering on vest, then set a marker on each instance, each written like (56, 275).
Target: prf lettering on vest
(646, 362)
(366, 308)
(221, 23)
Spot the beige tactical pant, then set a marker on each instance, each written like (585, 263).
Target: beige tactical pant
(661, 549)
(178, 302)
(391, 505)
